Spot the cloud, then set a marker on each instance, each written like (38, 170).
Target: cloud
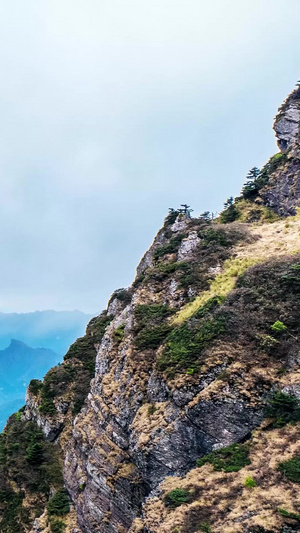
(113, 111)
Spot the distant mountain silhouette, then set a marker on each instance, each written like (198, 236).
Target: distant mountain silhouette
(19, 364)
(30, 344)
(55, 330)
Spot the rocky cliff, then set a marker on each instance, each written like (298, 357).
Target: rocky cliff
(178, 411)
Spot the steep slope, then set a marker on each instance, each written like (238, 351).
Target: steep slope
(179, 409)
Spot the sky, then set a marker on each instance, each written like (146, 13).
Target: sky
(112, 111)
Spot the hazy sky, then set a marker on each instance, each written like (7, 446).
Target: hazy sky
(111, 112)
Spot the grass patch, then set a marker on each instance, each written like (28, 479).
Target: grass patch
(118, 334)
(219, 287)
(288, 514)
(185, 344)
(230, 459)
(250, 483)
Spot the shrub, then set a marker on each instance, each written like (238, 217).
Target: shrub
(268, 343)
(124, 295)
(153, 313)
(151, 409)
(212, 235)
(57, 526)
(176, 497)
(171, 217)
(35, 386)
(230, 214)
(151, 338)
(35, 453)
(118, 333)
(292, 278)
(168, 248)
(185, 343)
(278, 327)
(230, 459)
(250, 482)
(209, 306)
(47, 407)
(284, 408)
(291, 469)
(59, 504)
(205, 528)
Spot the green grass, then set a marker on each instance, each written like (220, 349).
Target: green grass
(118, 334)
(250, 483)
(186, 343)
(219, 287)
(287, 514)
(230, 459)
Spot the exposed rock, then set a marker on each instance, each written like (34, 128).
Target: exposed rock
(188, 246)
(51, 426)
(286, 125)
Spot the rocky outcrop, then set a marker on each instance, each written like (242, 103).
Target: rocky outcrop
(282, 190)
(287, 122)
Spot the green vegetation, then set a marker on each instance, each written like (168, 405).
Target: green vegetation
(250, 483)
(284, 409)
(287, 514)
(75, 373)
(150, 325)
(151, 338)
(151, 409)
(124, 295)
(230, 212)
(230, 459)
(186, 343)
(216, 236)
(28, 464)
(59, 504)
(240, 207)
(35, 386)
(205, 528)
(291, 469)
(168, 248)
(292, 278)
(171, 217)
(219, 287)
(278, 327)
(118, 334)
(268, 343)
(176, 497)
(57, 526)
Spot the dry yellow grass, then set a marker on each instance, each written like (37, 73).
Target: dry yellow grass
(270, 240)
(223, 498)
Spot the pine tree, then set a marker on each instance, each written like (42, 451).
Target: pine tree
(250, 188)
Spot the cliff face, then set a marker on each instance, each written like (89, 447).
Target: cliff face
(176, 409)
(282, 193)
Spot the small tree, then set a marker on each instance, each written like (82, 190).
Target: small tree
(250, 188)
(230, 213)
